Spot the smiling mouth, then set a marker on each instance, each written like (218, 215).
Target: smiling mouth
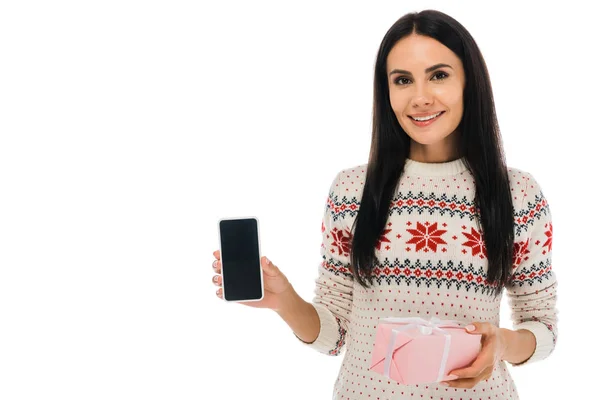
(426, 118)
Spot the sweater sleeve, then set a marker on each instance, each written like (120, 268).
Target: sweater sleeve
(532, 290)
(334, 284)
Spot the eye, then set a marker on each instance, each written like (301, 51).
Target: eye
(442, 74)
(397, 80)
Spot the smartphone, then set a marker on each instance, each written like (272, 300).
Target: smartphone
(240, 259)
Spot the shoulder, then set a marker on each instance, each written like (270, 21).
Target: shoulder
(523, 186)
(350, 181)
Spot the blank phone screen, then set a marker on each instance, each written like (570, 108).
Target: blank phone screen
(240, 259)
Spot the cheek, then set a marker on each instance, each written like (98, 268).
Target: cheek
(451, 97)
(393, 102)
(398, 102)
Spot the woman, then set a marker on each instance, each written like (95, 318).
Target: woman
(434, 225)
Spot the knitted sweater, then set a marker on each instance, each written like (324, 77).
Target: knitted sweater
(431, 261)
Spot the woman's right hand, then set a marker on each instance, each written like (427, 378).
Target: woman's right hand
(275, 282)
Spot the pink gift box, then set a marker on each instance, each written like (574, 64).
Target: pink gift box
(416, 350)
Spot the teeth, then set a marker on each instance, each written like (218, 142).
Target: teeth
(426, 118)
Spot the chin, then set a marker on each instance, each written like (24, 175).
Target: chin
(426, 138)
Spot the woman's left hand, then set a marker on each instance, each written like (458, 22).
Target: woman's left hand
(493, 346)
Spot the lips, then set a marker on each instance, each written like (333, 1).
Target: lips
(437, 114)
(426, 123)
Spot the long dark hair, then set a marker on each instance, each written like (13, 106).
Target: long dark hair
(480, 144)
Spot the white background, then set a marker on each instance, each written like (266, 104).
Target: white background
(128, 128)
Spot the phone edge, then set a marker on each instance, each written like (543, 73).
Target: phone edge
(262, 281)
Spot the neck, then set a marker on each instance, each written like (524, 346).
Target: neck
(443, 151)
(448, 168)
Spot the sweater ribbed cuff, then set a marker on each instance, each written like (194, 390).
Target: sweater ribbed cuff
(329, 331)
(544, 343)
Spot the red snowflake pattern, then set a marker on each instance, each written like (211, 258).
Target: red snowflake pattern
(382, 239)
(476, 243)
(548, 234)
(342, 240)
(520, 250)
(426, 237)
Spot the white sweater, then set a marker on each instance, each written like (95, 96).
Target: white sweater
(431, 262)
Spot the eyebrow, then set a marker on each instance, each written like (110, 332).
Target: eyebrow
(433, 67)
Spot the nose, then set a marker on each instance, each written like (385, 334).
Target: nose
(422, 101)
(422, 97)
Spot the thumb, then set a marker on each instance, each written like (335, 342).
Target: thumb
(269, 268)
(474, 327)
(480, 328)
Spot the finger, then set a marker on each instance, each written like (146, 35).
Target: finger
(218, 280)
(475, 369)
(220, 293)
(481, 328)
(217, 254)
(217, 266)
(466, 383)
(483, 361)
(268, 267)
(470, 382)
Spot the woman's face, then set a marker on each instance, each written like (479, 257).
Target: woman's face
(420, 86)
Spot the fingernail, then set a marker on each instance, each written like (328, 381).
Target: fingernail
(444, 383)
(470, 328)
(267, 260)
(215, 278)
(451, 377)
